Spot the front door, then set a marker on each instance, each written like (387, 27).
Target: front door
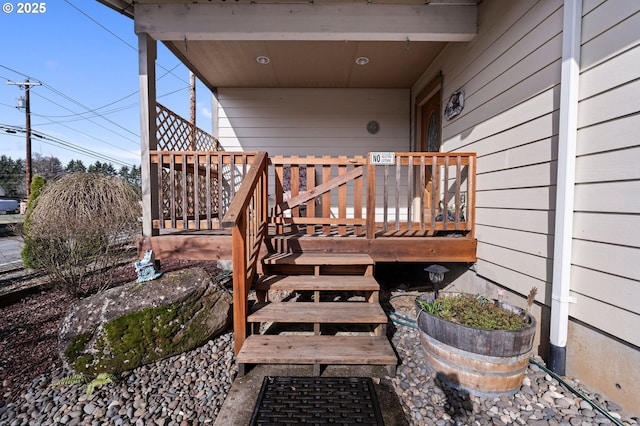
(430, 132)
(430, 138)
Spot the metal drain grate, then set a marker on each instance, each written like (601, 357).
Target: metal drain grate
(317, 401)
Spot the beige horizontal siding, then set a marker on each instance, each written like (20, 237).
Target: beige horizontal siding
(313, 121)
(622, 164)
(535, 175)
(317, 122)
(609, 318)
(517, 280)
(597, 285)
(533, 243)
(542, 198)
(608, 197)
(610, 35)
(608, 228)
(510, 74)
(538, 221)
(608, 136)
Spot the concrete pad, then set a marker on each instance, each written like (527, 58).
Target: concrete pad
(241, 400)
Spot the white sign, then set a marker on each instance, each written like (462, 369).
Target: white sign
(382, 158)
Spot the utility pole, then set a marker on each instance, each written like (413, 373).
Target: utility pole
(26, 104)
(192, 109)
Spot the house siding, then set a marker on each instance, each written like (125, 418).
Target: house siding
(316, 122)
(511, 77)
(313, 121)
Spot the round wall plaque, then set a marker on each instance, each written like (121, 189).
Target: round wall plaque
(373, 127)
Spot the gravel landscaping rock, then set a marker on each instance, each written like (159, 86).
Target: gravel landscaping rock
(189, 389)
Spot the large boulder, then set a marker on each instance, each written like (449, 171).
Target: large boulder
(129, 326)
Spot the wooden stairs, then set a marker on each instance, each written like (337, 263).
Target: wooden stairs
(324, 326)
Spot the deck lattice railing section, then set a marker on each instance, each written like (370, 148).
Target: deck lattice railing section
(197, 187)
(174, 133)
(318, 195)
(247, 217)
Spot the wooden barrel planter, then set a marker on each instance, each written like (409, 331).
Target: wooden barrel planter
(486, 363)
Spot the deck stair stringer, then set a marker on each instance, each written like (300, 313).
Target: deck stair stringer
(346, 330)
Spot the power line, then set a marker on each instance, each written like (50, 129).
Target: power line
(63, 95)
(18, 72)
(117, 36)
(117, 100)
(70, 99)
(61, 143)
(111, 111)
(90, 120)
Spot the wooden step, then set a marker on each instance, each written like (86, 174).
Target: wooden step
(325, 312)
(318, 259)
(318, 283)
(316, 350)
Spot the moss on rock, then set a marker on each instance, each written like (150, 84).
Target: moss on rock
(157, 331)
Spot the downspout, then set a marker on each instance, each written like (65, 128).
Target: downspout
(567, 135)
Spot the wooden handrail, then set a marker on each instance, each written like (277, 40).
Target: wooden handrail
(243, 196)
(247, 215)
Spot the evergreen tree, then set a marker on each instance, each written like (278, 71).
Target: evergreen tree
(12, 176)
(75, 166)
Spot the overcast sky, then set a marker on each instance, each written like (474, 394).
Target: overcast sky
(85, 56)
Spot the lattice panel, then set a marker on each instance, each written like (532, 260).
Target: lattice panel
(174, 133)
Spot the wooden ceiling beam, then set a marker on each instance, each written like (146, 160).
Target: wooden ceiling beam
(318, 22)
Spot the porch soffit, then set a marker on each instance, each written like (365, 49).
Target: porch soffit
(309, 44)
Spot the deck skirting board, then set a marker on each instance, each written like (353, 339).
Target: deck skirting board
(200, 246)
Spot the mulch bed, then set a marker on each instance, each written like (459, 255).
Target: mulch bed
(29, 329)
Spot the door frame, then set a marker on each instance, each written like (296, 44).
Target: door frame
(422, 204)
(424, 96)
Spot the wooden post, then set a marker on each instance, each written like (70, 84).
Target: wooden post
(192, 110)
(147, 51)
(240, 287)
(371, 199)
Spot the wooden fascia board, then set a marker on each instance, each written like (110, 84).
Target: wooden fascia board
(120, 6)
(307, 22)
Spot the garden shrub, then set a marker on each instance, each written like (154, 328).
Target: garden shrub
(37, 183)
(79, 227)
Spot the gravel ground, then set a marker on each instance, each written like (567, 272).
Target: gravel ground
(189, 389)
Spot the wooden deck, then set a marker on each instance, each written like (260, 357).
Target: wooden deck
(311, 225)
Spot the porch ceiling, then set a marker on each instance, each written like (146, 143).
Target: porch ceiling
(309, 43)
(307, 63)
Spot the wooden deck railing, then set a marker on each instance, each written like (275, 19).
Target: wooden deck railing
(196, 188)
(319, 195)
(422, 194)
(247, 216)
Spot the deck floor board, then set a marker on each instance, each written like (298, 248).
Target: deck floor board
(318, 282)
(323, 312)
(287, 349)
